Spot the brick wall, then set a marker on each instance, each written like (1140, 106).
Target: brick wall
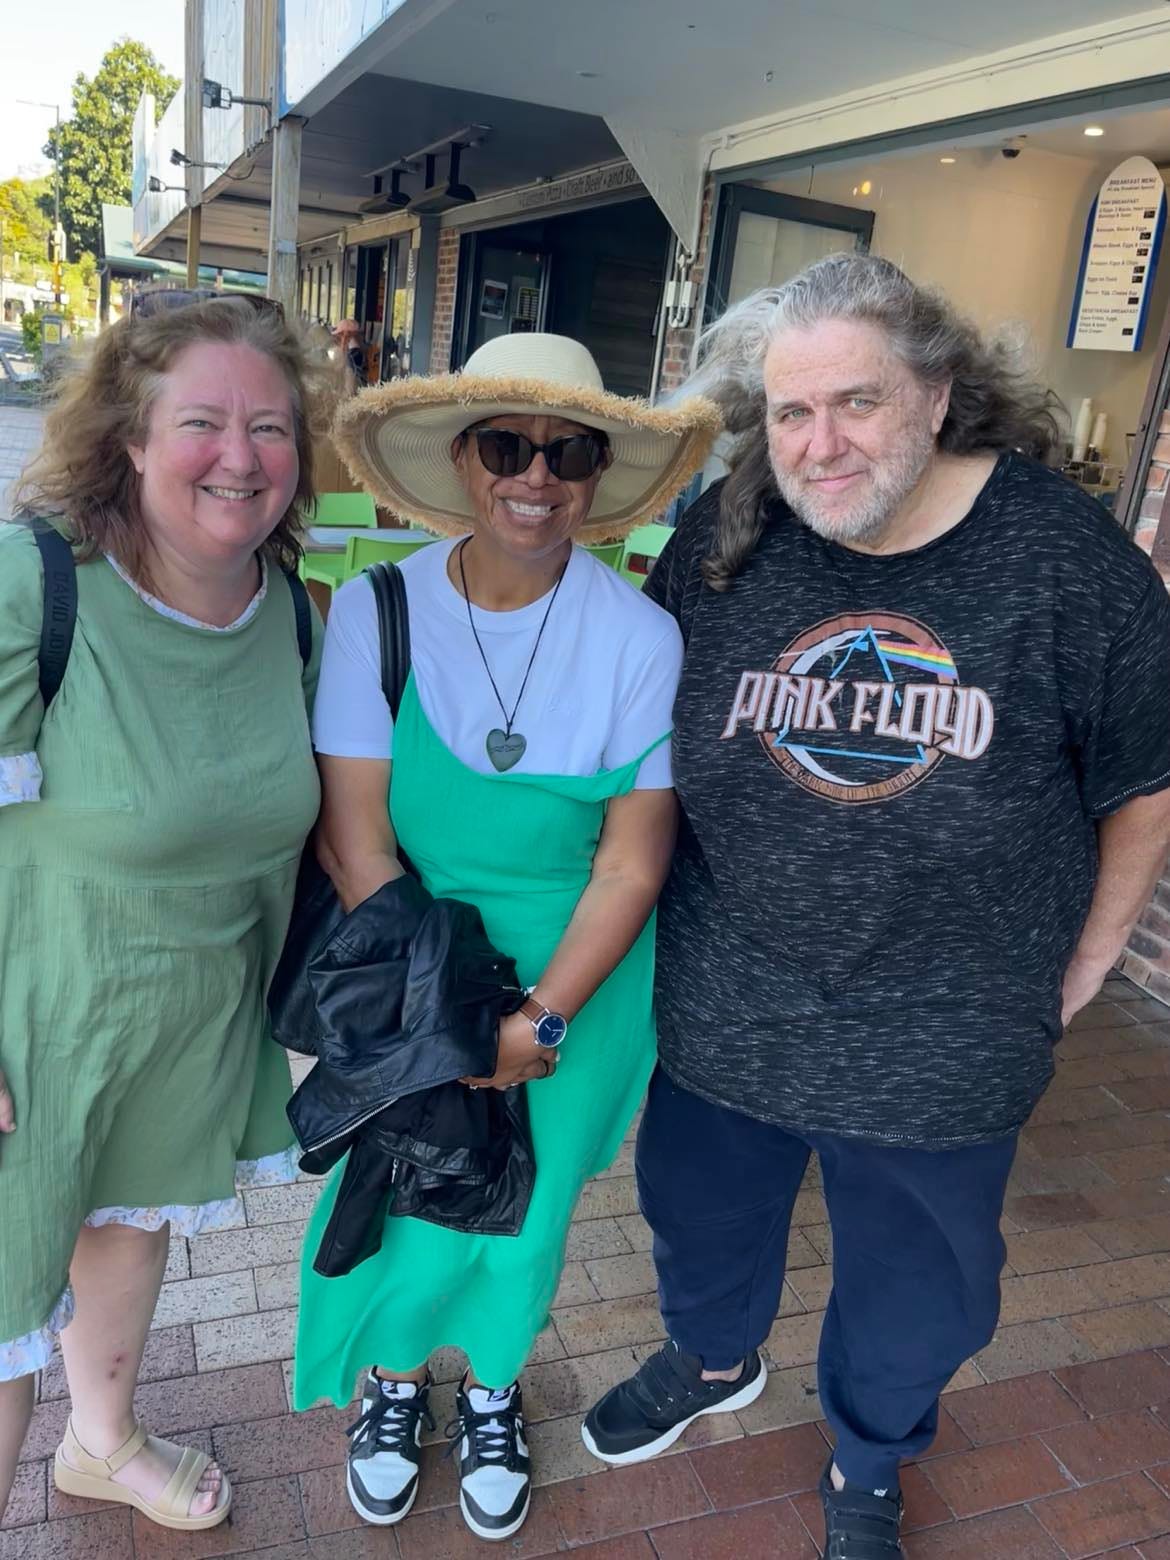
(678, 348)
(445, 288)
(1147, 957)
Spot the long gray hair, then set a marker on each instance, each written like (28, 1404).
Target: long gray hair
(993, 404)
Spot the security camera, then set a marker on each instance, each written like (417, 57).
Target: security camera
(1012, 147)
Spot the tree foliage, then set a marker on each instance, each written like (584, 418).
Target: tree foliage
(25, 207)
(94, 146)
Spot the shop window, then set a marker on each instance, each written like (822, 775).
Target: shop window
(762, 238)
(349, 287)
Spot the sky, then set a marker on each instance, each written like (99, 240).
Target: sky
(39, 61)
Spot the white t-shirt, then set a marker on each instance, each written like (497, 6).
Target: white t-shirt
(601, 690)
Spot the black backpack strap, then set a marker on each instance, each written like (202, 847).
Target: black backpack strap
(393, 630)
(304, 615)
(59, 612)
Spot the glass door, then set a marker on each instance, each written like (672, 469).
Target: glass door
(371, 297)
(508, 290)
(394, 319)
(762, 238)
(349, 285)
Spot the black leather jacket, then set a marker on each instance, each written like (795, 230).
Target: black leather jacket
(397, 1001)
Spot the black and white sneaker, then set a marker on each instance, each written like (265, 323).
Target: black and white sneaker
(381, 1471)
(860, 1524)
(495, 1481)
(645, 1414)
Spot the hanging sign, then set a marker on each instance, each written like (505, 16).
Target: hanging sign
(1123, 236)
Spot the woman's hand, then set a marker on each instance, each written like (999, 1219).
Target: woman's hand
(519, 1059)
(7, 1109)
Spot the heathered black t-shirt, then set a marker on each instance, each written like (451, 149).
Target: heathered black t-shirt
(889, 769)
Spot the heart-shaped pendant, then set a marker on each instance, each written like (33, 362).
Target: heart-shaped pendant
(505, 751)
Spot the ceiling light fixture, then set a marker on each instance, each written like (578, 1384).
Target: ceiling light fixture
(1094, 130)
(437, 198)
(382, 201)
(948, 159)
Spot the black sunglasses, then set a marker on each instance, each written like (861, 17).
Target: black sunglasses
(145, 304)
(571, 459)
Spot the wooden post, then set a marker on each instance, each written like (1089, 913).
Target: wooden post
(194, 230)
(282, 232)
(193, 177)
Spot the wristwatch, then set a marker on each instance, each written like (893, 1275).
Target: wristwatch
(548, 1028)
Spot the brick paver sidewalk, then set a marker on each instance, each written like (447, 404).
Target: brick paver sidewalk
(20, 437)
(1055, 1441)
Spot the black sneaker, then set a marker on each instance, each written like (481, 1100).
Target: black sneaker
(381, 1471)
(644, 1415)
(495, 1479)
(860, 1524)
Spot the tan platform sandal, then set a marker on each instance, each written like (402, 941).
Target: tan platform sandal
(76, 1472)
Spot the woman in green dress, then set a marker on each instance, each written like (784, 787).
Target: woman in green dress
(151, 821)
(528, 774)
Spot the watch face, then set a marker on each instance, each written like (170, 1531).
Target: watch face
(551, 1030)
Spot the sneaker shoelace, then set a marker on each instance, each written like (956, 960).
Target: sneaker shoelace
(491, 1435)
(388, 1424)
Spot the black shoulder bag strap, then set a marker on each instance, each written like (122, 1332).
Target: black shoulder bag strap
(393, 630)
(304, 616)
(59, 611)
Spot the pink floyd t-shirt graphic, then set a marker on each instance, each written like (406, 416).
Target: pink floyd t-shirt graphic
(890, 767)
(862, 707)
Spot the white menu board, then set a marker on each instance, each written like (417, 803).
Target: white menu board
(1122, 239)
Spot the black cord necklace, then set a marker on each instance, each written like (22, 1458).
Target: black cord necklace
(506, 748)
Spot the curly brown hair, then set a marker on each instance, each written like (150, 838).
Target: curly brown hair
(102, 403)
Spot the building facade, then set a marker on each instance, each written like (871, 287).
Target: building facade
(443, 173)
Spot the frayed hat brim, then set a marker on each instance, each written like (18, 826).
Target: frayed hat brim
(396, 441)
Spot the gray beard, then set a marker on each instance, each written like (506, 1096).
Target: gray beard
(869, 520)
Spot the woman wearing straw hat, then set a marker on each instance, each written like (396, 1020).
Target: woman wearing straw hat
(530, 777)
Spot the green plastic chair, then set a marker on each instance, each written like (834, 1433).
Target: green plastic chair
(324, 568)
(354, 510)
(647, 541)
(332, 569)
(361, 551)
(644, 542)
(609, 553)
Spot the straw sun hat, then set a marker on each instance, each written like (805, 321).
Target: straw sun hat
(396, 437)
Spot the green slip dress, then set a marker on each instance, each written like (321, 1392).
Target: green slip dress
(519, 847)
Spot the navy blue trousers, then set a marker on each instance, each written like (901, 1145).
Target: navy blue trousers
(917, 1254)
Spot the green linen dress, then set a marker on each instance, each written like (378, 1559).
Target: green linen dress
(143, 903)
(520, 848)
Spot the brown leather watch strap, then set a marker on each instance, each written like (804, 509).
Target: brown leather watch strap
(533, 1010)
